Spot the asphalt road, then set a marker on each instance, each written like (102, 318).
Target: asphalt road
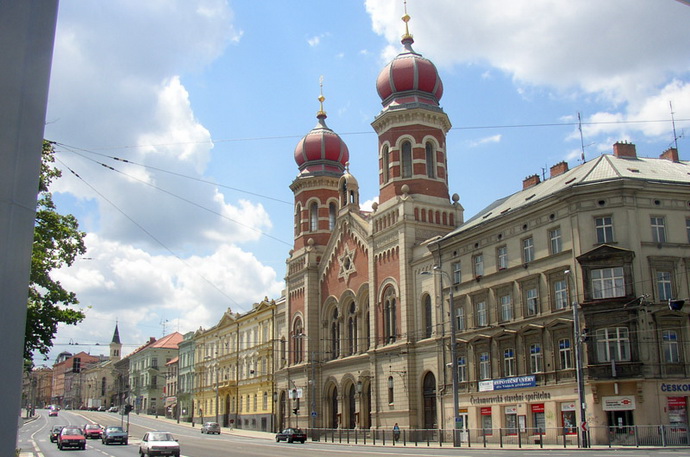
(34, 441)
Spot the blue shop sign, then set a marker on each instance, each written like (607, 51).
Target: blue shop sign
(517, 382)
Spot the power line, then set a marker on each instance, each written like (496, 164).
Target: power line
(143, 229)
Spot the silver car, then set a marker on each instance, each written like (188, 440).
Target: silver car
(210, 427)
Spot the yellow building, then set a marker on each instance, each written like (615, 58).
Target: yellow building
(234, 368)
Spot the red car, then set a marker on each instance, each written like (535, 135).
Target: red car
(93, 431)
(71, 437)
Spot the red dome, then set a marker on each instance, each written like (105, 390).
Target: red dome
(409, 78)
(321, 150)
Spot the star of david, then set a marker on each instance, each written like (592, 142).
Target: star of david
(347, 263)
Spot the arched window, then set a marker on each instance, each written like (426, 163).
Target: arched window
(428, 325)
(391, 397)
(298, 340)
(389, 316)
(385, 163)
(331, 215)
(298, 219)
(335, 334)
(430, 162)
(352, 330)
(314, 217)
(406, 158)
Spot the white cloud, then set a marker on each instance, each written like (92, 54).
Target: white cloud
(485, 140)
(314, 41)
(623, 53)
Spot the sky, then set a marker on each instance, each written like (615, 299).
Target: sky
(175, 124)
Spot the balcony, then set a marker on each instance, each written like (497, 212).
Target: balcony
(613, 371)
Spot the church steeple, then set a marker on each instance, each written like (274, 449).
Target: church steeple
(116, 345)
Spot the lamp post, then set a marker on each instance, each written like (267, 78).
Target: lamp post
(312, 384)
(453, 351)
(577, 336)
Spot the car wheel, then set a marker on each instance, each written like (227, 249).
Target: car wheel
(277, 440)
(125, 442)
(289, 440)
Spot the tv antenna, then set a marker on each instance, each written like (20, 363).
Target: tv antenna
(163, 322)
(673, 123)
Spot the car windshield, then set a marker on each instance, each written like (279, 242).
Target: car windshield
(92, 427)
(160, 437)
(71, 431)
(114, 429)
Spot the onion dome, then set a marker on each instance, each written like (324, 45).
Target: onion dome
(409, 77)
(321, 151)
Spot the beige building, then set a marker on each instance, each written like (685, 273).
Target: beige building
(611, 235)
(234, 364)
(147, 369)
(100, 380)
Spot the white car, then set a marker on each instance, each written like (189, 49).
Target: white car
(159, 443)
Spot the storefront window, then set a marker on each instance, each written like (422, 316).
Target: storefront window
(486, 421)
(511, 420)
(538, 418)
(677, 412)
(568, 421)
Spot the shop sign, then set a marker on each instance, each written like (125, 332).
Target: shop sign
(568, 406)
(675, 387)
(486, 411)
(625, 403)
(511, 409)
(508, 383)
(676, 402)
(538, 408)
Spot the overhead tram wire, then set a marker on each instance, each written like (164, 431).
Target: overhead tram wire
(180, 198)
(150, 167)
(143, 229)
(471, 127)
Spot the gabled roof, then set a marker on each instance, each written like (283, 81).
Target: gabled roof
(168, 341)
(602, 169)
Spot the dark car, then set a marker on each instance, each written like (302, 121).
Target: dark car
(210, 427)
(71, 436)
(54, 432)
(114, 434)
(291, 435)
(92, 431)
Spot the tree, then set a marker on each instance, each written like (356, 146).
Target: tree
(57, 243)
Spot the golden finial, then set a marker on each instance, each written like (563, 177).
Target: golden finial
(321, 98)
(406, 19)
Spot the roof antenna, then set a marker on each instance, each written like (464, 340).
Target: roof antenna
(673, 122)
(163, 322)
(582, 141)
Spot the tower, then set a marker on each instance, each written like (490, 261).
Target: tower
(411, 127)
(116, 346)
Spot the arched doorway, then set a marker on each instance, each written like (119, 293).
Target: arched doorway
(281, 411)
(334, 408)
(352, 409)
(365, 407)
(429, 399)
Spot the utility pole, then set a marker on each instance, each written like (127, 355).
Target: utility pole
(577, 336)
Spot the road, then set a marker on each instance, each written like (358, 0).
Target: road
(35, 442)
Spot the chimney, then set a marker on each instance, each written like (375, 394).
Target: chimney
(624, 150)
(670, 154)
(559, 169)
(530, 181)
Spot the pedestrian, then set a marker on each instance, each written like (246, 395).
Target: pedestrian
(396, 432)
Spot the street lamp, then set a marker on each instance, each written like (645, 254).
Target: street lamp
(453, 350)
(577, 335)
(312, 384)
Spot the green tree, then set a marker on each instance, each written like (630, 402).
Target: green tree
(57, 243)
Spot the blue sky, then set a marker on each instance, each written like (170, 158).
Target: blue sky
(207, 99)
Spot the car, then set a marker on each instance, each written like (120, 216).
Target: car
(101, 408)
(71, 436)
(210, 427)
(92, 431)
(54, 432)
(112, 409)
(159, 443)
(291, 435)
(114, 434)
(53, 413)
